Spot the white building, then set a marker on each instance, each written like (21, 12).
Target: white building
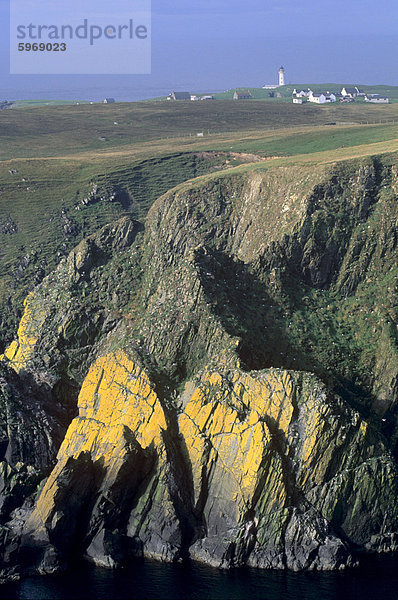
(353, 92)
(297, 100)
(281, 76)
(376, 99)
(194, 98)
(317, 98)
(321, 98)
(281, 80)
(301, 93)
(349, 92)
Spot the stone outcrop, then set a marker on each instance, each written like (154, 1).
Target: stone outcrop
(261, 468)
(218, 383)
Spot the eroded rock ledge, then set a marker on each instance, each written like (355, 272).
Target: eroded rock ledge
(261, 468)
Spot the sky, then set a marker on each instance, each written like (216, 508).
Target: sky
(212, 45)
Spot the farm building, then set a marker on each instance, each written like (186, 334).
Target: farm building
(376, 99)
(179, 96)
(242, 95)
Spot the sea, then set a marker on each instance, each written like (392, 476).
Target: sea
(375, 579)
(93, 93)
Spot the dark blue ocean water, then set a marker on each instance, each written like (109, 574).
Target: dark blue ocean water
(376, 579)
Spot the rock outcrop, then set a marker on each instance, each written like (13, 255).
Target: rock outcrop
(218, 383)
(261, 468)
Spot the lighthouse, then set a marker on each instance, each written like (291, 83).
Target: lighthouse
(281, 76)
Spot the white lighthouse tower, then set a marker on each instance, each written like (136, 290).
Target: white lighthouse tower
(281, 76)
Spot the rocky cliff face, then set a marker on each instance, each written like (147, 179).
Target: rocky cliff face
(261, 468)
(219, 382)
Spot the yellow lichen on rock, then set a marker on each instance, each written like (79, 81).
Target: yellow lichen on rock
(238, 464)
(20, 352)
(312, 436)
(270, 396)
(317, 430)
(226, 430)
(116, 403)
(115, 394)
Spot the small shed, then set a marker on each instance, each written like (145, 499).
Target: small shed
(109, 100)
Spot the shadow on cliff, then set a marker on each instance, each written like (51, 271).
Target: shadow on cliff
(259, 314)
(181, 485)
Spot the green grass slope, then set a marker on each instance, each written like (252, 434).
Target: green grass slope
(47, 207)
(66, 130)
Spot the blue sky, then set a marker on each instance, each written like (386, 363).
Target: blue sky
(255, 17)
(217, 44)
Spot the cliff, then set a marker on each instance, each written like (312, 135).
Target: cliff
(218, 382)
(261, 468)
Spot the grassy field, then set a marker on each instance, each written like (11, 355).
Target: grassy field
(320, 140)
(37, 103)
(67, 170)
(67, 130)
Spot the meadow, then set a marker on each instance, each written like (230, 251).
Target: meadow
(69, 130)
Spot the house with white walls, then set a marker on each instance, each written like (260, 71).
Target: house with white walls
(321, 97)
(376, 99)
